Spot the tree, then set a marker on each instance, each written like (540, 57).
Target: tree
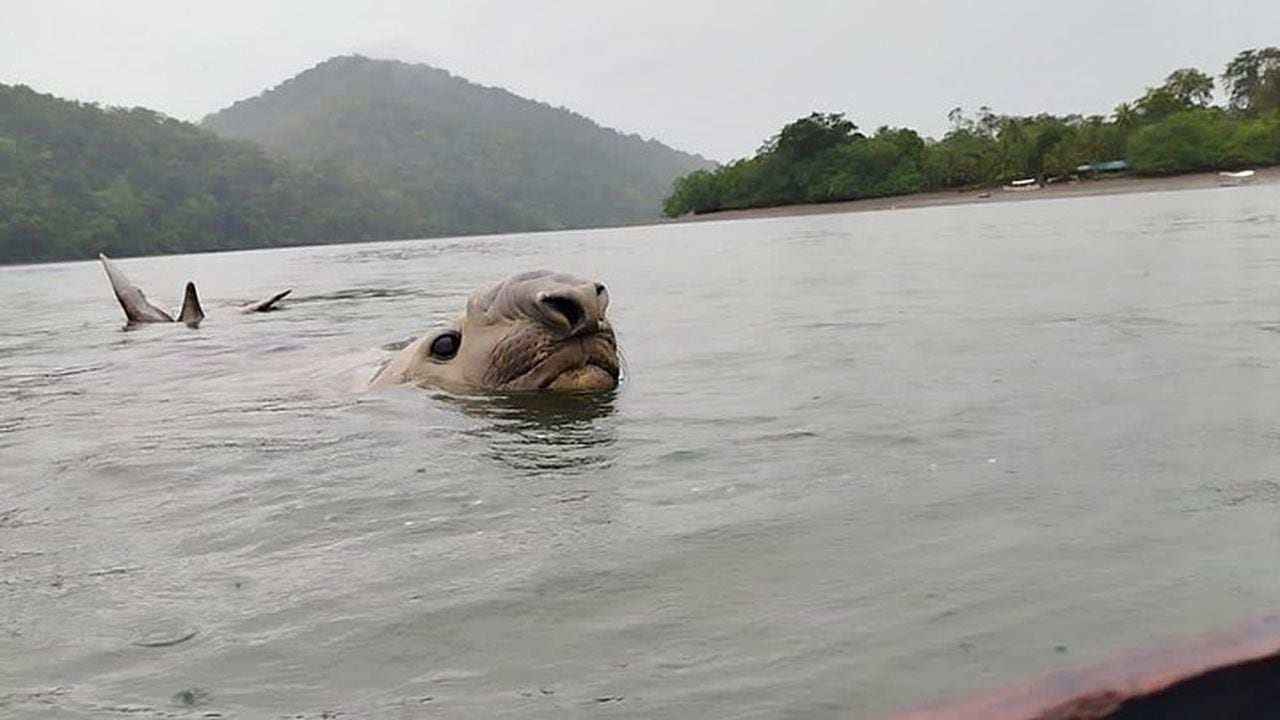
(807, 137)
(1252, 80)
(1126, 116)
(1256, 141)
(1190, 87)
(696, 192)
(1183, 89)
(1185, 141)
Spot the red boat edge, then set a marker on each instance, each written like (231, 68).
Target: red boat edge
(1231, 672)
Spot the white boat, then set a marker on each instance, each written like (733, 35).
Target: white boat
(1023, 184)
(1243, 177)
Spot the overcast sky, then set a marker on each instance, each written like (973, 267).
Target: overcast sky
(715, 78)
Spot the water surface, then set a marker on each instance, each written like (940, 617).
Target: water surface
(859, 461)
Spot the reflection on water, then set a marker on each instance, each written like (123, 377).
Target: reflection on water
(539, 432)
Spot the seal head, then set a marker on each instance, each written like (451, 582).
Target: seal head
(539, 330)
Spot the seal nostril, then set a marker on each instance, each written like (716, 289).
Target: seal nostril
(599, 288)
(570, 310)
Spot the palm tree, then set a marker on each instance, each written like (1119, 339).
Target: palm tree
(1126, 116)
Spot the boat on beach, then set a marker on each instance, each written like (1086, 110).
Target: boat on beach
(1022, 185)
(1231, 179)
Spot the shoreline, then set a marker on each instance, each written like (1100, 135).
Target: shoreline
(942, 198)
(1128, 184)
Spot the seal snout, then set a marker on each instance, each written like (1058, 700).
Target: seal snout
(574, 310)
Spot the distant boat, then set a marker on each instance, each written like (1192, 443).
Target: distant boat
(1243, 177)
(1023, 184)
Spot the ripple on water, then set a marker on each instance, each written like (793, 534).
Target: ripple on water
(359, 295)
(794, 490)
(408, 252)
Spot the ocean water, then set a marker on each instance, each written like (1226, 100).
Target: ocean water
(858, 462)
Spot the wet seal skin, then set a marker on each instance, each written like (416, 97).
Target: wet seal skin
(138, 309)
(538, 330)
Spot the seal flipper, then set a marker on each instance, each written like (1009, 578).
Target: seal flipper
(191, 313)
(134, 302)
(266, 304)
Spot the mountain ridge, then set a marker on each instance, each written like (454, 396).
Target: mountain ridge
(78, 178)
(472, 157)
(483, 86)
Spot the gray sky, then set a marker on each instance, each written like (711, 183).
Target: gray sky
(715, 78)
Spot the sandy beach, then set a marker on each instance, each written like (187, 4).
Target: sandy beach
(1106, 186)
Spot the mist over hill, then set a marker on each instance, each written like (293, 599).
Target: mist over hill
(77, 179)
(350, 150)
(466, 158)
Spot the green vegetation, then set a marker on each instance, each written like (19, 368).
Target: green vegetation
(356, 149)
(466, 158)
(1172, 128)
(76, 179)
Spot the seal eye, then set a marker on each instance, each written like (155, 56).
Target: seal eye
(445, 346)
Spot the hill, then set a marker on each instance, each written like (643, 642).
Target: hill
(467, 158)
(77, 179)
(1172, 128)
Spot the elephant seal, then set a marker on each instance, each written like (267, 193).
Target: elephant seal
(138, 309)
(538, 330)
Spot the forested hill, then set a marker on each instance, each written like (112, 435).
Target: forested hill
(1172, 128)
(76, 179)
(469, 158)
